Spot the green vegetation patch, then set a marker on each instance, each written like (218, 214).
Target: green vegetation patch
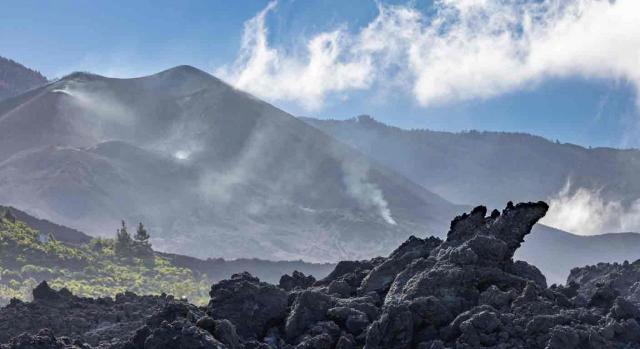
(103, 267)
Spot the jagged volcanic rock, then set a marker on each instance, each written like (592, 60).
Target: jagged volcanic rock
(464, 292)
(93, 320)
(623, 278)
(296, 280)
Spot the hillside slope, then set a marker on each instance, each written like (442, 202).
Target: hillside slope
(217, 172)
(45, 227)
(95, 268)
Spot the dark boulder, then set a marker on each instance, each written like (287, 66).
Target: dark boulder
(529, 272)
(251, 305)
(225, 332)
(623, 309)
(309, 308)
(296, 280)
(44, 293)
(383, 274)
(44, 339)
(181, 335)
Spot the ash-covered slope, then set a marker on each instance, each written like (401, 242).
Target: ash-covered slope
(216, 172)
(16, 78)
(464, 292)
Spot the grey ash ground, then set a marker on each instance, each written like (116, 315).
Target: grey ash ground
(464, 292)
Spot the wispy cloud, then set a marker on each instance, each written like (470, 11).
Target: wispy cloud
(327, 65)
(464, 49)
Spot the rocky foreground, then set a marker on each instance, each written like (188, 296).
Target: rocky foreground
(465, 292)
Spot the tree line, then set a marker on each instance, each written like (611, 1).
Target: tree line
(138, 245)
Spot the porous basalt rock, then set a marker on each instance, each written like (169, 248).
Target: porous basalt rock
(296, 280)
(92, 320)
(251, 305)
(622, 277)
(464, 292)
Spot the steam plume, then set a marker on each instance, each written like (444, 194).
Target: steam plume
(366, 193)
(585, 211)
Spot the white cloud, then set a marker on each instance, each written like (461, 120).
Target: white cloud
(270, 73)
(584, 211)
(467, 49)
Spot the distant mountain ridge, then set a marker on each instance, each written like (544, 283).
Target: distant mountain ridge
(490, 167)
(15, 78)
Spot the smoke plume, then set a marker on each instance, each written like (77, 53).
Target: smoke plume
(368, 195)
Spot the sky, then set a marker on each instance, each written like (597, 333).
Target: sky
(564, 69)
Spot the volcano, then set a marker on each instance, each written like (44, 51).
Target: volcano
(211, 170)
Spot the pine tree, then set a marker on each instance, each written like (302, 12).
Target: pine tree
(142, 245)
(8, 215)
(142, 235)
(123, 241)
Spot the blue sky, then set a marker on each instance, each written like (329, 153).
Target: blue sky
(393, 60)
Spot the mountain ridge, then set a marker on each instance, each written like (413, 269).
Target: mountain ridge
(366, 119)
(15, 78)
(491, 167)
